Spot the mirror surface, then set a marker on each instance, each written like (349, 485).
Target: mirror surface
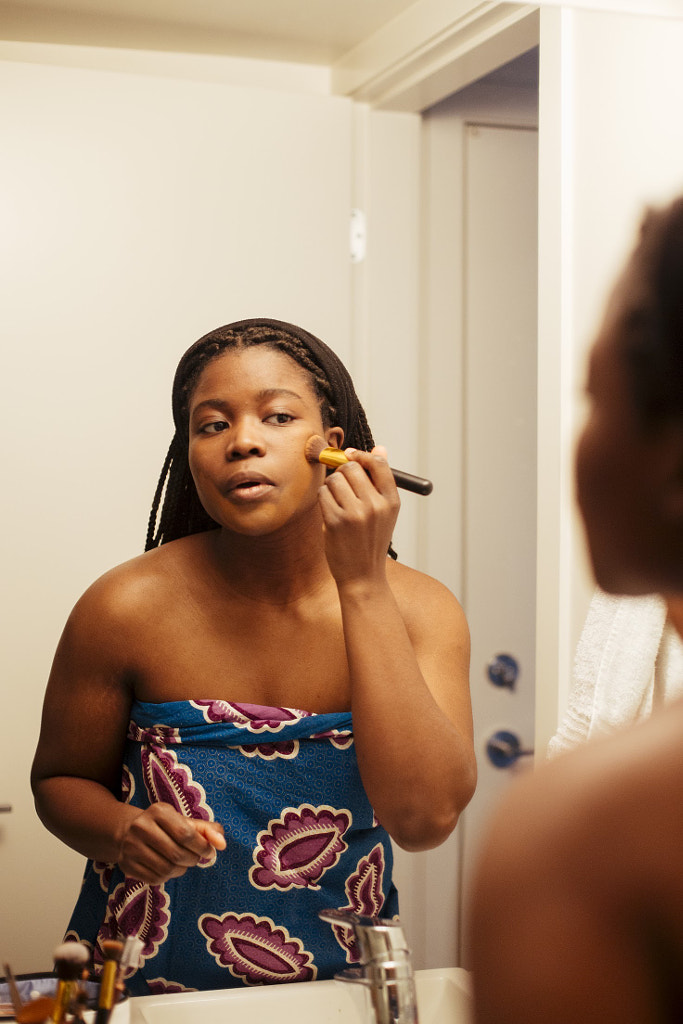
(143, 195)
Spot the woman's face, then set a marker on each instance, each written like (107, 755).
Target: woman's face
(621, 469)
(250, 416)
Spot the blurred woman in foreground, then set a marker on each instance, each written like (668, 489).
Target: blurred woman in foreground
(577, 905)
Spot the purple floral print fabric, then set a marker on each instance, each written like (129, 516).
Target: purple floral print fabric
(301, 837)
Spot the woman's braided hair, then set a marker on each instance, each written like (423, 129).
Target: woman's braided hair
(176, 509)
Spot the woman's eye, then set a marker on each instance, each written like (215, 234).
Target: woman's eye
(279, 417)
(215, 427)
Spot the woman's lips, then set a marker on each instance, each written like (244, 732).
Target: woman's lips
(248, 486)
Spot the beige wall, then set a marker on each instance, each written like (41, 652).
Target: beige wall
(145, 202)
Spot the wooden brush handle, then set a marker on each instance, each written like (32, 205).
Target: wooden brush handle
(416, 484)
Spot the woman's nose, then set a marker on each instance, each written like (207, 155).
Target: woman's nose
(245, 439)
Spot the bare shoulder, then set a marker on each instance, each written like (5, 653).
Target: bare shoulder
(583, 856)
(124, 587)
(584, 815)
(428, 606)
(128, 594)
(412, 586)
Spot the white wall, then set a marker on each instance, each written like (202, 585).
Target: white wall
(138, 212)
(386, 356)
(147, 198)
(611, 92)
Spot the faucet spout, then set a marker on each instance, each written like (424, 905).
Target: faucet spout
(385, 965)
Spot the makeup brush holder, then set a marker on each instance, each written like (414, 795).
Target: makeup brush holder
(30, 986)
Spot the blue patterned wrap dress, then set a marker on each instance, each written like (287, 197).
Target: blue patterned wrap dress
(301, 837)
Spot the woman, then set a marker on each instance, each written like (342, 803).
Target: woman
(238, 720)
(577, 909)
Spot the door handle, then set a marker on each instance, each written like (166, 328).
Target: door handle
(504, 748)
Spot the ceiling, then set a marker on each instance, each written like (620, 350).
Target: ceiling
(304, 31)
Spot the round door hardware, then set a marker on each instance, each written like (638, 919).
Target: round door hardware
(504, 748)
(503, 671)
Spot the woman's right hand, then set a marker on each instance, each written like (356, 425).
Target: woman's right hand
(161, 843)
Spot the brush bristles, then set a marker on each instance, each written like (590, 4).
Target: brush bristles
(112, 949)
(70, 959)
(317, 449)
(314, 446)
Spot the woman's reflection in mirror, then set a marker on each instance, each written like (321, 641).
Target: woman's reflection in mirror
(577, 905)
(239, 720)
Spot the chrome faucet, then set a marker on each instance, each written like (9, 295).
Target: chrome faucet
(385, 966)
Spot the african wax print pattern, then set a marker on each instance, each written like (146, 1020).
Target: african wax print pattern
(301, 835)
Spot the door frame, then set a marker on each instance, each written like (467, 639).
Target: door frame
(441, 385)
(434, 50)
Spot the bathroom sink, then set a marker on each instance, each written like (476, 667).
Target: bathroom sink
(443, 997)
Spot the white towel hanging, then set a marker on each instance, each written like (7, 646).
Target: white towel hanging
(628, 661)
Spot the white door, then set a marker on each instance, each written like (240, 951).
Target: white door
(478, 532)
(499, 403)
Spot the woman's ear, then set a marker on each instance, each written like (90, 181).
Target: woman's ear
(334, 437)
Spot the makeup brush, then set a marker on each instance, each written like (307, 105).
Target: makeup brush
(112, 950)
(13, 990)
(317, 450)
(129, 962)
(130, 958)
(70, 958)
(80, 1005)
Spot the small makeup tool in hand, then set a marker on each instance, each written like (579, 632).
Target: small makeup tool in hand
(317, 450)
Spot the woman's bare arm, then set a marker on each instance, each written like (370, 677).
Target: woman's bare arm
(407, 646)
(76, 774)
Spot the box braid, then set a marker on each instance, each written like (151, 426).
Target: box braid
(176, 509)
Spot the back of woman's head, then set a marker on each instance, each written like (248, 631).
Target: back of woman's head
(176, 509)
(653, 329)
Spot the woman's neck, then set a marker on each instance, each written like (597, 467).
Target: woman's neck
(280, 568)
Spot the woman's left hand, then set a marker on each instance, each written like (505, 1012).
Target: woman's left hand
(360, 505)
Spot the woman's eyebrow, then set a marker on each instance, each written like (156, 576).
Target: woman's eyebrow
(279, 393)
(210, 403)
(264, 394)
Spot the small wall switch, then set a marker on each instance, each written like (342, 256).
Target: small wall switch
(358, 237)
